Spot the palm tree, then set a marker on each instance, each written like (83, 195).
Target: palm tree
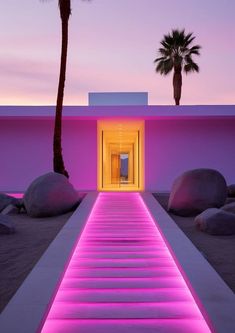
(58, 162)
(176, 54)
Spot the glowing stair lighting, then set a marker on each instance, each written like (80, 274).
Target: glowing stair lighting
(122, 277)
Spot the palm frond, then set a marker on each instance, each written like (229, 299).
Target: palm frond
(188, 39)
(175, 52)
(188, 59)
(164, 52)
(165, 44)
(191, 67)
(159, 59)
(194, 50)
(164, 67)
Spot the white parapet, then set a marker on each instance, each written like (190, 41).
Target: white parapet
(118, 98)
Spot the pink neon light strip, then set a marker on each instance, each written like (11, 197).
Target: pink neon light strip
(16, 195)
(122, 277)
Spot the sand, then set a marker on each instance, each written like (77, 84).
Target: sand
(218, 250)
(19, 252)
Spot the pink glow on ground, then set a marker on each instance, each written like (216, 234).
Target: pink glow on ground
(122, 277)
(16, 195)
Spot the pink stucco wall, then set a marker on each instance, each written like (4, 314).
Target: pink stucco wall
(176, 145)
(171, 146)
(26, 152)
(80, 152)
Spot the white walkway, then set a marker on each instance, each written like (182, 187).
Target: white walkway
(122, 278)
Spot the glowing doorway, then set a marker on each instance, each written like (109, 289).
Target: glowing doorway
(120, 166)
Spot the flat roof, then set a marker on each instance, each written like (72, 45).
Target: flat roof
(136, 112)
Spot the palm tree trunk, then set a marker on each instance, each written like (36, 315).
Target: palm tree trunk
(57, 146)
(177, 84)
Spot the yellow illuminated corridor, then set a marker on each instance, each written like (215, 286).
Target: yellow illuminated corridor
(120, 155)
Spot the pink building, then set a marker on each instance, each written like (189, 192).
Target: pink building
(120, 263)
(125, 145)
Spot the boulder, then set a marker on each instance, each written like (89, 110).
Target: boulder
(229, 207)
(6, 200)
(6, 225)
(196, 190)
(231, 191)
(50, 195)
(10, 209)
(229, 200)
(216, 221)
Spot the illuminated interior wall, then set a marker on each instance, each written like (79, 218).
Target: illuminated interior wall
(173, 146)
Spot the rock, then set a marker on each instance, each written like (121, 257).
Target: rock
(6, 200)
(6, 225)
(19, 203)
(231, 191)
(10, 209)
(50, 195)
(229, 207)
(196, 190)
(216, 221)
(229, 200)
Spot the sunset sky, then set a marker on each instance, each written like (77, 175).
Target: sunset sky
(112, 46)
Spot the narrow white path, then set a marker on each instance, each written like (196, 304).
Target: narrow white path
(122, 278)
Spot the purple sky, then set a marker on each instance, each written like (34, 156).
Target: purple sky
(112, 47)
